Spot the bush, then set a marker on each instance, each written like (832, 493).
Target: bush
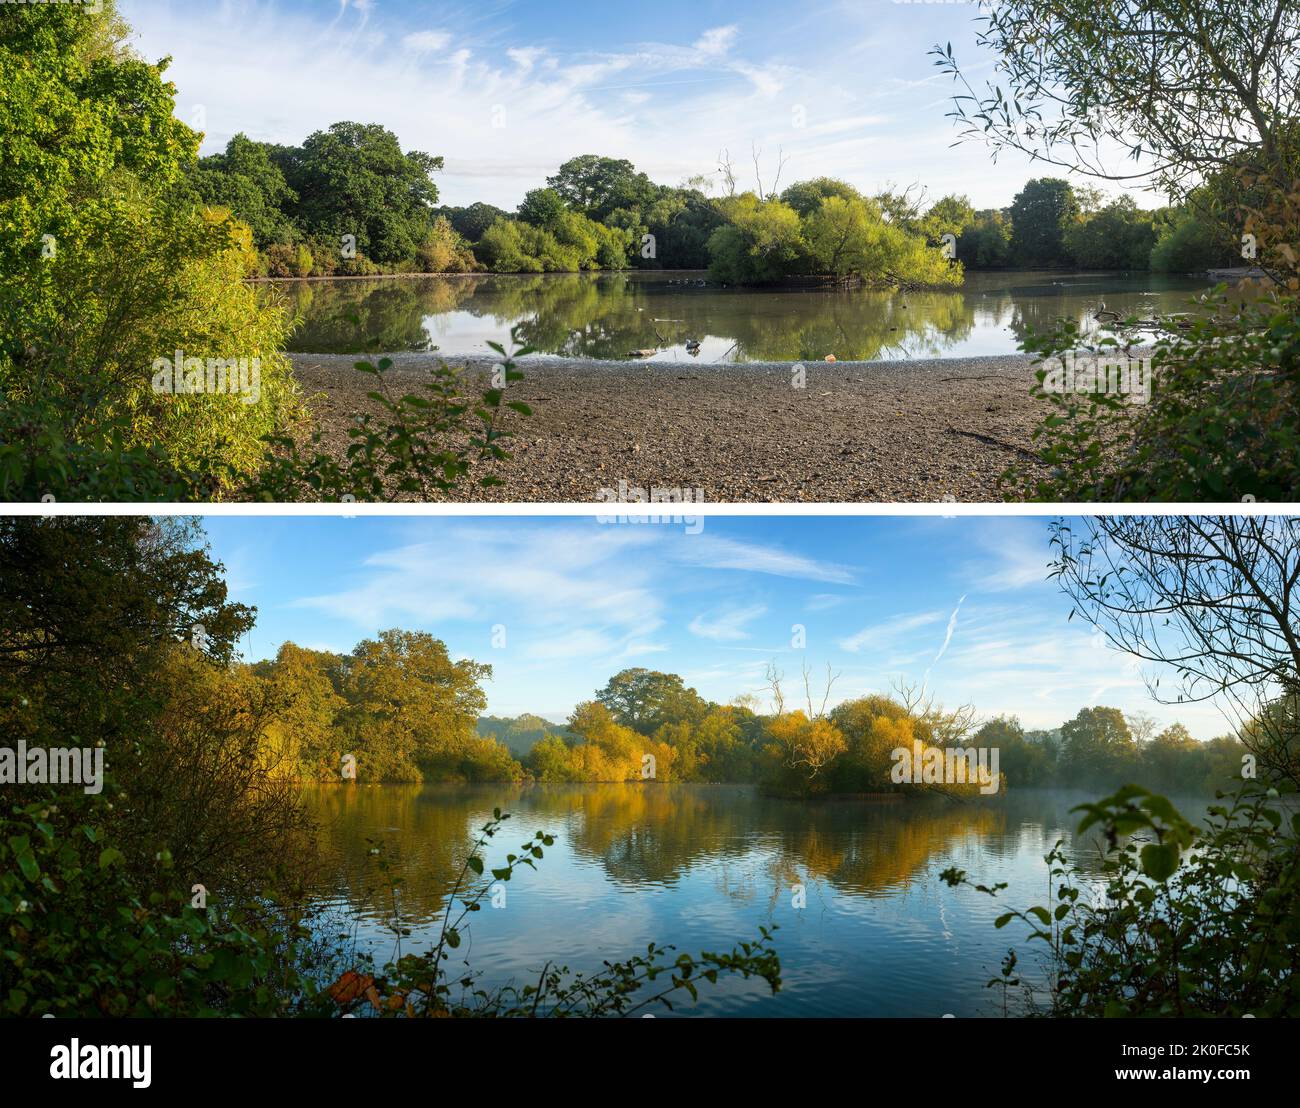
(1193, 921)
(1186, 244)
(1222, 421)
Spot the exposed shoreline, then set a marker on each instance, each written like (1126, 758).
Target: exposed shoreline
(920, 431)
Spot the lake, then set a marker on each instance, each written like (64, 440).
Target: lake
(702, 867)
(608, 315)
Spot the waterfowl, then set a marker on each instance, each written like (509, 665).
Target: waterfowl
(1101, 315)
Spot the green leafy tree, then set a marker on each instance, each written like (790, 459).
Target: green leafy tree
(645, 700)
(1117, 236)
(1097, 747)
(761, 241)
(597, 186)
(411, 711)
(107, 264)
(805, 197)
(251, 186)
(1040, 213)
(354, 179)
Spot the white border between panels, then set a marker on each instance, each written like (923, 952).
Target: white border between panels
(656, 511)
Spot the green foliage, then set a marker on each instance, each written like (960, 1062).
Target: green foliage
(1189, 244)
(646, 700)
(597, 187)
(986, 243)
(761, 241)
(1194, 921)
(569, 242)
(1118, 236)
(542, 207)
(1097, 747)
(107, 265)
(80, 937)
(805, 197)
(249, 184)
(471, 222)
(1040, 214)
(354, 179)
(1220, 424)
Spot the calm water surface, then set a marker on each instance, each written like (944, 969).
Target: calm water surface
(702, 867)
(609, 315)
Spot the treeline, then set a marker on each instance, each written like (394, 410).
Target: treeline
(349, 201)
(401, 708)
(1050, 224)
(849, 749)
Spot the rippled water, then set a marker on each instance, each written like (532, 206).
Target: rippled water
(703, 867)
(610, 315)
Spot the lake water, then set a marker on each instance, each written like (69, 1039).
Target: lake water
(610, 315)
(702, 867)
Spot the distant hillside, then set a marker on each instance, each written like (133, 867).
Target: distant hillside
(518, 734)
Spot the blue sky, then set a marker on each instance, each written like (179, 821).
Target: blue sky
(506, 90)
(961, 604)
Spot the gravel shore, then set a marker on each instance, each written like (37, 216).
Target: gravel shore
(923, 431)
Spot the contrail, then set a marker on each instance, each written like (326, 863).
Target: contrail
(952, 626)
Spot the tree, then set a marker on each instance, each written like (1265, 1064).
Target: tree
(1040, 213)
(760, 242)
(846, 236)
(1096, 747)
(1026, 764)
(1183, 88)
(1189, 243)
(305, 729)
(596, 186)
(1117, 236)
(805, 197)
(246, 181)
(354, 179)
(986, 242)
(542, 207)
(806, 746)
(949, 215)
(89, 609)
(645, 700)
(107, 262)
(411, 710)
(1210, 599)
(471, 223)
(1174, 760)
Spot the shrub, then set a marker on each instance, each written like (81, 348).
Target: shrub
(1192, 921)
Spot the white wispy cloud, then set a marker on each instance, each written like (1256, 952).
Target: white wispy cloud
(505, 114)
(728, 626)
(424, 42)
(714, 552)
(882, 636)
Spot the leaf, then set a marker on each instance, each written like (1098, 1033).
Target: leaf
(110, 855)
(350, 986)
(1159, 860)
(476, 864)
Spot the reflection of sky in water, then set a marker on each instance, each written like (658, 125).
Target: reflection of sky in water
(613, 315)
(703, 867)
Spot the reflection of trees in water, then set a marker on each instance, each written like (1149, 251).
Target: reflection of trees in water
(425, 835)
(650, 834)
(606, 315)
(656, 834)
(389, 315)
